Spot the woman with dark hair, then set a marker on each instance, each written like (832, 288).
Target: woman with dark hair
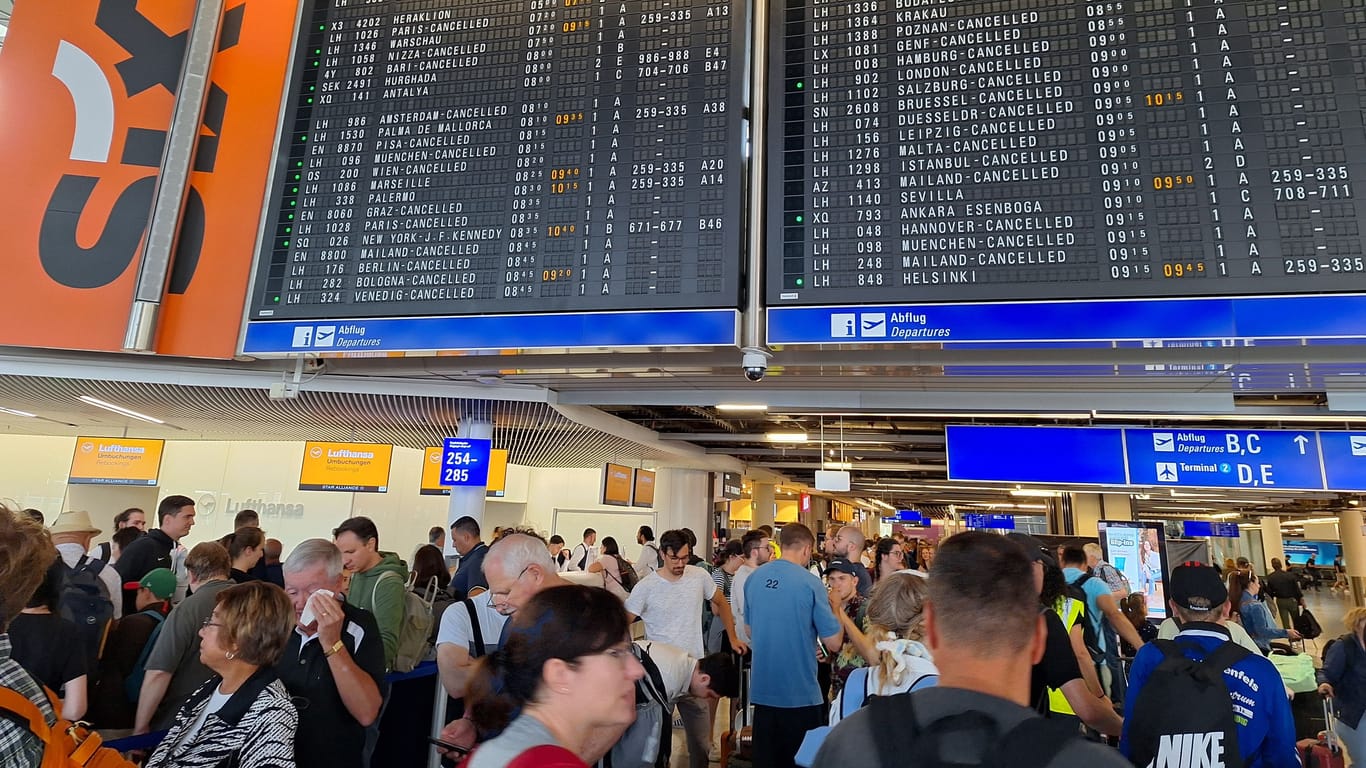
(1072, 611)
(48, 646)
(611, 564)
(429, 563)
(1254, 615)
(568, 672)
(890, 556)
(246, 546)
(1135, 609)
(242, 716)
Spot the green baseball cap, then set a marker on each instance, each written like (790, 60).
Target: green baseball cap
(160, 581)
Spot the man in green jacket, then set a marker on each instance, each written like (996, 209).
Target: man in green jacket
(378, 579)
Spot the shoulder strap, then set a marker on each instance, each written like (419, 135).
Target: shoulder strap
(16, 702)
(652, 670)
(1225, 656)
(1034, 743)
(856, 684)
(479, 649)
(1170, 648)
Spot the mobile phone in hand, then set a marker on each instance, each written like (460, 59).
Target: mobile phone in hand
(446, 745)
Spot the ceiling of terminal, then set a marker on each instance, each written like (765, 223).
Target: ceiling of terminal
(881, 411)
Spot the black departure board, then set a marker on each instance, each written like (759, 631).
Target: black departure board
(459, 157)
(943, 150)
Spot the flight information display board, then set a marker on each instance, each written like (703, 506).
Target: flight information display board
(443, 158)
(942, 150)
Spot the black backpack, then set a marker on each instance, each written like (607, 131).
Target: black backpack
(1183, 714)
(628, 574)
(652, 732)
(1034, 743)
(1307, 625)
(84, 600)
(1088, 626)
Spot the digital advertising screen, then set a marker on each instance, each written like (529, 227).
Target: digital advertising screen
(1139, 551)
(116, 461)
(643, 493)
(1298, 551)
(355, 467)
(616, 485)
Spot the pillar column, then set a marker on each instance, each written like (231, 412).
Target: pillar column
(1353, 551)
(1116, 506)
(763, 507)
(1273, 545)
(1086, 514)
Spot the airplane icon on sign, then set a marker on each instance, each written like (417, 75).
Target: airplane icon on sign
(1166, 472)
(1358, 445)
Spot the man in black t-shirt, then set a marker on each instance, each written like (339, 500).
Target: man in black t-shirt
(175, 518)
(1059, 668)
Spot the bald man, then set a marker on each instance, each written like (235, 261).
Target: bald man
(848, 544)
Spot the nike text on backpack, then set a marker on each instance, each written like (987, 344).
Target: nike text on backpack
(1183, 716)
(648, 742)
(132, 684)
(416, 629)
(1089, 636)
(1034, 743)
(85, 601)
(65, 744)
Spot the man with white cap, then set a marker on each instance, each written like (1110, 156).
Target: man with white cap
(72, 532)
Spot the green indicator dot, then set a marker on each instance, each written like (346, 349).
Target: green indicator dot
(294, 191)
(801, 281)
(285, 243)
(299, 164)
(291, 217)
(296, 177)
(291, 205)
(317, 51)
(303, 138)
(310, 99)
(312, 88)
(288, 230)
(800, 218)
(315, 63)
(322, 27)
(275, 299)
(800, 85)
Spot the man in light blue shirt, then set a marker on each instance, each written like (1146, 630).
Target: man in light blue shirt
(1100, 610)
(789, 613)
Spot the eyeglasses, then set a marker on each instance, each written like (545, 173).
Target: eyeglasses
(505, 592)
(678, 559)
(209, 622)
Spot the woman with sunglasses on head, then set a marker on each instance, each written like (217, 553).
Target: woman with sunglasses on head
(568, 675)
(243, 715)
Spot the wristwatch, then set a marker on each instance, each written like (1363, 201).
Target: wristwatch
(330, 651)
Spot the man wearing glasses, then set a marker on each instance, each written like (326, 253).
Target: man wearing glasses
(517, 568)
(333, 665)
(174, 670)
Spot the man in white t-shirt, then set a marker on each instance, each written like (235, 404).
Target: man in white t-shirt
(757, 550)
(457, 645)
(584, 553)
(649, 559)
(670, 602)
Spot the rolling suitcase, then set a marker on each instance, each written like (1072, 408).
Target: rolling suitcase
(737, 744)
(1325, 752)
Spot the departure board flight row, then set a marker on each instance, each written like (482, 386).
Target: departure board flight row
(507, 156)
(950, 150)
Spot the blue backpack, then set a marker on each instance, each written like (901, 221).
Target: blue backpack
(132, 684)
(854, 697)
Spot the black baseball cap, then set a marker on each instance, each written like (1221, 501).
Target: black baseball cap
(1197, 587)
(842, 566)
(1033, 548)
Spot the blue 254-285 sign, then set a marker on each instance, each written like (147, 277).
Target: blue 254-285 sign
(465, 462)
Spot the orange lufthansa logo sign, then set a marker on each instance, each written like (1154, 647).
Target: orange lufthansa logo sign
(359, 467)
(116, 461)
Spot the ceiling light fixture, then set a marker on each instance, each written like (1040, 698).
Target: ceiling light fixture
(785, 437)
(1034, 493)
(743, 407)
(118, 409)
(13, 412)
(838, 465)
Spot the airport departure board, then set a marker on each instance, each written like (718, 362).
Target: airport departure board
(460, 157)
(951, 150)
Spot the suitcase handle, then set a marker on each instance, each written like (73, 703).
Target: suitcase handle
(1330, 729)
